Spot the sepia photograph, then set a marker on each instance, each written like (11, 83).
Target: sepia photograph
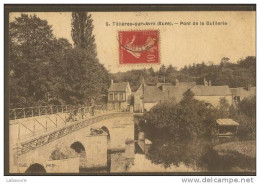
(130, 90)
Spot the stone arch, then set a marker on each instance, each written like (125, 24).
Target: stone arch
(78, 147)
(35, 168)
(105, 129)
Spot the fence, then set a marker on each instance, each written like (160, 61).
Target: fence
(45, 139)
(19, 113)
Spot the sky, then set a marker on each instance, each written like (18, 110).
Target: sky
(180, 45)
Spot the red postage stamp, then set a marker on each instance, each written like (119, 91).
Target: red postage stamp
(138, 47)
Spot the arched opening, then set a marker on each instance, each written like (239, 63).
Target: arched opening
(78, 147)
(105, 129)
(35, 168)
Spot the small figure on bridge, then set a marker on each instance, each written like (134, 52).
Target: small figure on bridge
(93, 110)
(72, 115)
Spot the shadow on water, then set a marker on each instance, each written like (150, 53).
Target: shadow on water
(185, 156)
(175, 156)
(118, 161)
(231, 159)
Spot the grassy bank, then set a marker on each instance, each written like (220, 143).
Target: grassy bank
(233, 157)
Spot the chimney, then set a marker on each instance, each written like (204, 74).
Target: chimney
(112, 81)
(249, 87)
(205, 82)
(209, 82)
(177, 82)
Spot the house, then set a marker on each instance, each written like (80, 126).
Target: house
(148, 96)
(212, 94)
(119, 96)
(238, 94)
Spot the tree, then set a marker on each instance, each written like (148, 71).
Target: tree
(248, 106)
(170, 70)
(186, 120)
(58, 71)
(174, 127)
(162, 70)
(31, 41)
(223, 108)
(82, 28)
(86, 79)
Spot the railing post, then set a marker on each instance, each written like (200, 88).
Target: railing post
(19, 127)
(14, 113)
(51, 110)
(24, 112)
(39, 109)
(32, 112)
(46, 125)
(34, 127)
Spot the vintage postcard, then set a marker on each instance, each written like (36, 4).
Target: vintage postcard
(130, 90)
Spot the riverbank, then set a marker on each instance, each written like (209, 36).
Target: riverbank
(237, 156)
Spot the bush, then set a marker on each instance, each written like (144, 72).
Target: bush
(188, 120)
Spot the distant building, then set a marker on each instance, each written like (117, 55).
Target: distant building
(212, 94)
(148, 96)
(119, 96)
(238, 94)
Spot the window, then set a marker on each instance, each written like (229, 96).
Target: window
(116, 96)
(111, 96)
(121, 96)
(237, 99)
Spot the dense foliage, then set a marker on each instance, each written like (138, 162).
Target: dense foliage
(238, 74)
(188, 120)
(245, 115)
(46, 70)
(183, 132)
(81, 32)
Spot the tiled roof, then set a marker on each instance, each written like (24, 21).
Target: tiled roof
(201, 90)
(243, 92)
(175, 92)
(121, 86)
(227, 122)
(152, 94)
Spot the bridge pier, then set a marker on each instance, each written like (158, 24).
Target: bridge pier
(96, 152)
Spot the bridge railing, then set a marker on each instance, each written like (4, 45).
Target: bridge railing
(31, 121)
(19, 113)
(36, 142)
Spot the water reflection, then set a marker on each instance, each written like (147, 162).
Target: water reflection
(117, 161)
(171, 157)
(132, 159)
